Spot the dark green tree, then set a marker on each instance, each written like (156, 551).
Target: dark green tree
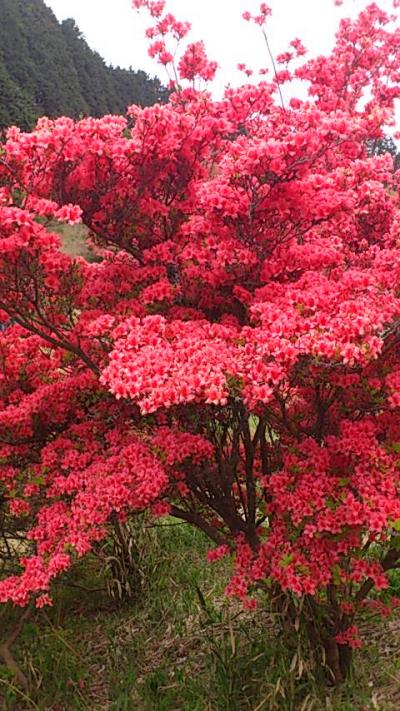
(16, 105)
(47, 68)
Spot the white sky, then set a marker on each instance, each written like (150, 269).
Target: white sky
(117, 32)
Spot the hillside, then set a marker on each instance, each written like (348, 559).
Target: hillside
(47, 68)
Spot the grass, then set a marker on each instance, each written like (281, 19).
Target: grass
(181, 646)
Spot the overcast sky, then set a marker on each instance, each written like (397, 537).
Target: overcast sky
(117, 32)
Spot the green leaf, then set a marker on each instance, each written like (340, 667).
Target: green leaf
(286, 560)
(344, 482)
(337, 575)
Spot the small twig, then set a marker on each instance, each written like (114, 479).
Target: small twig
(274, 68)
(82, 587)
(21, 693)
(60, 637)
(166, 525)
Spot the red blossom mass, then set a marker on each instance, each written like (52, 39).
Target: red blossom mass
(232, 356)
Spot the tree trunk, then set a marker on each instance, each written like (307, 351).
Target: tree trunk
(332, 659)
(338, 661)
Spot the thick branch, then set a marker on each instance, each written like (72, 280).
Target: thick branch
(196, 520)
(387, 563)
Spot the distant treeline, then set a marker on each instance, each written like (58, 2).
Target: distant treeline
(47, 68)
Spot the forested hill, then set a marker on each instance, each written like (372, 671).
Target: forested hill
(47, 68)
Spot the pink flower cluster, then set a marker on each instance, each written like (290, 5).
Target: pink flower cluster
(232, 356)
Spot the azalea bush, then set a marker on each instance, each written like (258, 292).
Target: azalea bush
(232, 357)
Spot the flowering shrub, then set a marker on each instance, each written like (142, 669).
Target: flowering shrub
(232, 359)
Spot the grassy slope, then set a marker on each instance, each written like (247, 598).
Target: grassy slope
(174, 650)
